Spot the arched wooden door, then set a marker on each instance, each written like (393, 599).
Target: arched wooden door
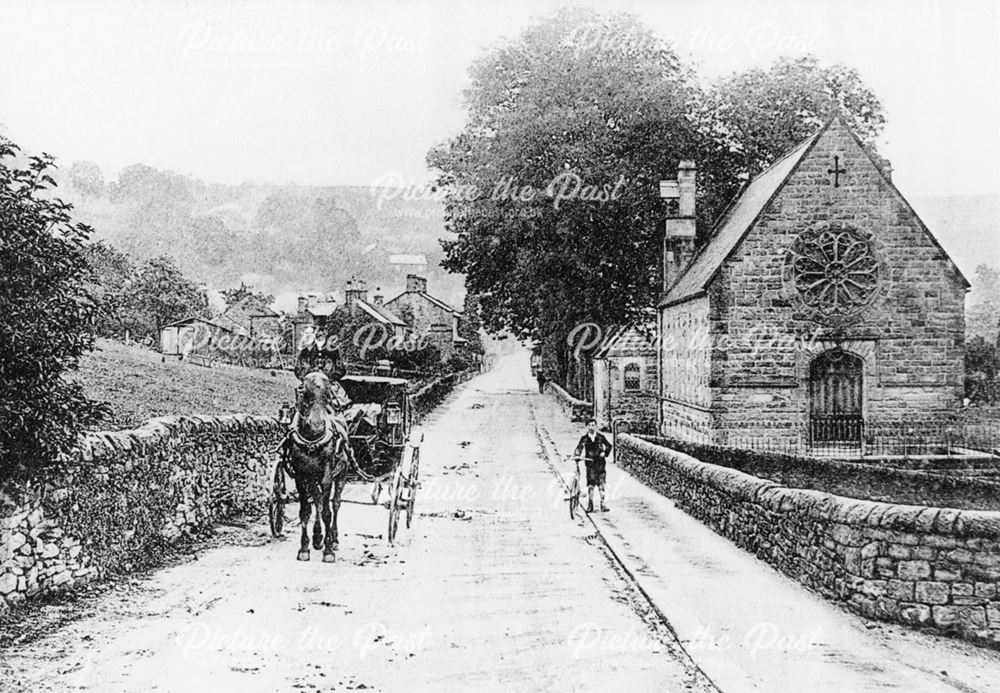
(836, 391)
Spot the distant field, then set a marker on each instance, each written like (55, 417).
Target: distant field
(138, 386)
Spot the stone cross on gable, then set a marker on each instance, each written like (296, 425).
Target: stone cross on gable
(837, 171)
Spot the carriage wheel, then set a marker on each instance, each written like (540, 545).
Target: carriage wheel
(394, 490)
(276, 503)
(414, 474)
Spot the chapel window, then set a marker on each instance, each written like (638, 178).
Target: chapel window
(632, 377)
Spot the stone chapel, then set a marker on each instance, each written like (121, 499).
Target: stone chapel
(819, 306)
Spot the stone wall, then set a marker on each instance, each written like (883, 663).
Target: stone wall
(685, 369)
(577, 409)
(923, 566)
(430, 395)
(126, 496)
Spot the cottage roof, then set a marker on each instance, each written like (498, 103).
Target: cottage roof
(381, 313)
(734, 223)
(433, 299)
(198, 318)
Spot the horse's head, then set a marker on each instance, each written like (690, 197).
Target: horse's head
(315, 392)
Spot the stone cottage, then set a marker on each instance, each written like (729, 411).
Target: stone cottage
(313, 310)
(625, 378)
(429, 315)
(374, 311)
(820, 305)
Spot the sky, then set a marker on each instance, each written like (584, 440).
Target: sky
(355, 93)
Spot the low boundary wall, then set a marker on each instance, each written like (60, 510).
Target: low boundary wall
(929, 567)
(577, 409)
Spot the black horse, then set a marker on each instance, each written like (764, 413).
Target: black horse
(317, 454)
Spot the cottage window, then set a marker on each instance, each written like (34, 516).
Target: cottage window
(632, 379)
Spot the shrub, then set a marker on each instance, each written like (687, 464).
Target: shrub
(47, 321)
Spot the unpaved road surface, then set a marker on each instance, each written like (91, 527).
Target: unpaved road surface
(493, 588)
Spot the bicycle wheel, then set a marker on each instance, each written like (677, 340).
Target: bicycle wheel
(574, 497)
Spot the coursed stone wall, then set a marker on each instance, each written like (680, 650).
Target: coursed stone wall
(922, 566)
(685, 365)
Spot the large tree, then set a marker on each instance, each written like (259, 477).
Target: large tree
(158, 295)
(47, 318)
(578, 100)
(111, 272)
(759, 114)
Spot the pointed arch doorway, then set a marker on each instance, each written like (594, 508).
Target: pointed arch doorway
(836, 399)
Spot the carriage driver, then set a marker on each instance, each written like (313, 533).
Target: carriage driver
(320, 352)
(595, 448)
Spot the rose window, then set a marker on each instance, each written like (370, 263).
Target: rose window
(834, 270)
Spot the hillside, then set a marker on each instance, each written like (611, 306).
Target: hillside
(285, 239)
(139, 386)
(278, 238)
(968, 226)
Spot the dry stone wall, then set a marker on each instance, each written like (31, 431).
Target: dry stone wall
(128, 495)
(577, 409)
(923, 566)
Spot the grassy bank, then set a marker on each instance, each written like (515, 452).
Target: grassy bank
(138, 385)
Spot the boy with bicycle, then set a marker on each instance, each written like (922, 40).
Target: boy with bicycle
(593, 448)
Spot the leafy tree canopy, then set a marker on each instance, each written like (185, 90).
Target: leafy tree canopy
(47, 318)
(159, 295)
(248, 297)
(760, 114)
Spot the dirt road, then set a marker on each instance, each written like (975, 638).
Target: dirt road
(492, 588)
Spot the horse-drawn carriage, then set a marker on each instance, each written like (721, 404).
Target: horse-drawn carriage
(384, 446)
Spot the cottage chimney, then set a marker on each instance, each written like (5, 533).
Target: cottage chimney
(377, 298)
(679, 229)
(356, 291)
(302, 303)
(416, 284)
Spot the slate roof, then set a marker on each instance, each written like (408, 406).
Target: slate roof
(381, 313)
(736, 221)
(433, 299)
(198, 318)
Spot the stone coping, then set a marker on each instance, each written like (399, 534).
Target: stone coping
(826, 506)
(100, 445)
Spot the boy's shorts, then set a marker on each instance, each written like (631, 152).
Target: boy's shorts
(595, 473)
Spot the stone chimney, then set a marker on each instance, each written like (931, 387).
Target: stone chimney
(378, 298)
(356, 291)
(416, 283)
(302, 303)
(679, 229)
